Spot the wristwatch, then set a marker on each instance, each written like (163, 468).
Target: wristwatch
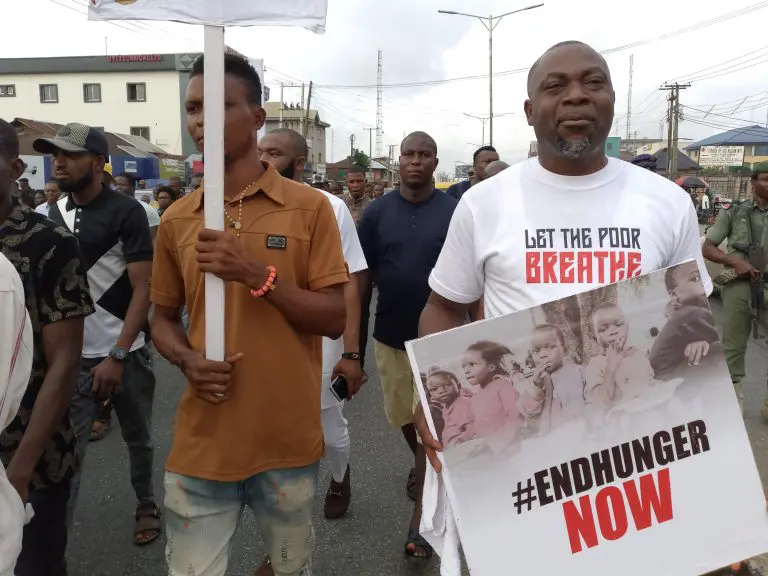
(351, 356)
(118, 354)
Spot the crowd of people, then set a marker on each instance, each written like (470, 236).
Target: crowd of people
(104, 279)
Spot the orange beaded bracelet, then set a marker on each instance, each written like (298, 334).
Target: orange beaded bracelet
(269, 285)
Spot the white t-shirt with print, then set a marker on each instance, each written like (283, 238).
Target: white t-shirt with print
(529, 236)
(353, 255)
(153, 216)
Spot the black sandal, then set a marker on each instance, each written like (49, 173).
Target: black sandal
(410, 486)
(415, 542)
(148, 525)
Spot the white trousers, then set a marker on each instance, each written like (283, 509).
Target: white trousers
(337, 445)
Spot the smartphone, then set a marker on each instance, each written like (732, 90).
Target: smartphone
(340, 388)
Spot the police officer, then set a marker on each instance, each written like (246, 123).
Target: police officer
(744, 224)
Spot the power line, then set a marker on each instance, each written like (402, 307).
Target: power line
(666, 36)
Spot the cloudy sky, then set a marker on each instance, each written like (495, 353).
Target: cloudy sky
(726, 61)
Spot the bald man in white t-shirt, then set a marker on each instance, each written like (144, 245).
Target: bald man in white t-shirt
(287, 151)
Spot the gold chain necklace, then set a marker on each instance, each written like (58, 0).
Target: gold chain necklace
(238, 224)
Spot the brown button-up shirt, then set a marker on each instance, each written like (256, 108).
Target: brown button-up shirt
(272, 419)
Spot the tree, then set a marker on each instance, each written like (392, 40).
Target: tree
(360, 159)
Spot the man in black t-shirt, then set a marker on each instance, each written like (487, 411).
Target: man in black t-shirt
(38, 447)
(116, 249)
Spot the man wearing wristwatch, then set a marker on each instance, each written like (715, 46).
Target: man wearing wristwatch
(116, 250)
(287, 151)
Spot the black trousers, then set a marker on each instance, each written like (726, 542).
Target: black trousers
(45, 538)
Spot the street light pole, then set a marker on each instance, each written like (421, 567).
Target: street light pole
(490, 23)
(484, 119)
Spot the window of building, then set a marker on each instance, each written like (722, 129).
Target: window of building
(92, 92)
(760, 150)
(49, 93)
(7, 91)
(142, 131)
(137, 92)
(609, 145)
(319, 157)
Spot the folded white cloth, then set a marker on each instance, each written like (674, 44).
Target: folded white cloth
(15, 366)
(438, 525)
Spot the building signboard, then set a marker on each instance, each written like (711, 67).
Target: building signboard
(135, 58)
(721, 156)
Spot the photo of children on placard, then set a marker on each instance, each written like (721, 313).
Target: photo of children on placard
(622, 349)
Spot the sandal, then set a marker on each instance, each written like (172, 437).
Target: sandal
(410, 486)
(148, 526)
(417, 547)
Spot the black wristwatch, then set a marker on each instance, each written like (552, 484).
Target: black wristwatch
(118, 354)
(351, 356)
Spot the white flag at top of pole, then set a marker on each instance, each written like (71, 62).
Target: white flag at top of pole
(307, 13)
(215, 15)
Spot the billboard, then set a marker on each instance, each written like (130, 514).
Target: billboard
(721, 156)
(462, 171)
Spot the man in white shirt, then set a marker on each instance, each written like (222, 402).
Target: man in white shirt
(126, 184)
(15, 368)
(287, 151)
(52, 195)
(565, 222)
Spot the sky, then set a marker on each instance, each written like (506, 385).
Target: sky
(726, 62)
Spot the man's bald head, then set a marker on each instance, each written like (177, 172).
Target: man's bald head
(422, 136)
(9, 141)
(495, 167)
(560, 45)
(295, 142)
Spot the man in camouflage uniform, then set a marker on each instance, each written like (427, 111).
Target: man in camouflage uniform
(356, 198)
(743, 224)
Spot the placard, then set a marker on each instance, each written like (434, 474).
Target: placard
(307, 13)
(598, 434)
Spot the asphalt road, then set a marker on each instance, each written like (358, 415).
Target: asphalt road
(369, 542)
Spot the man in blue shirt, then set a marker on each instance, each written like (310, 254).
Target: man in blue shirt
(402, 234)
(481, 158)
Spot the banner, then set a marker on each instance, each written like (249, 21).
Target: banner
(307, 13)
(598, 434)
(710, 156)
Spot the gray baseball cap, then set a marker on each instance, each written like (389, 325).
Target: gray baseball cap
(77, 138)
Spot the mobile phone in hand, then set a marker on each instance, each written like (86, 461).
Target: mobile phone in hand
(340, 388)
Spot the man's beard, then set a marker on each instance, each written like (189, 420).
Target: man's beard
(573, 149)
(70, 186)
(289, 171)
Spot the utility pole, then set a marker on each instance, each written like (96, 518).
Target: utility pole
(305, 127)
(490, 23)
(351, 148)
(301, 106)
(370, 152)
(673, 117)
(282, 103)
(629, 96)
(380, 107)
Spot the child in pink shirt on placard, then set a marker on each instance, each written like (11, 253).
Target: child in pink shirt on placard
(444, 390)
(558, 384)
(495, 399)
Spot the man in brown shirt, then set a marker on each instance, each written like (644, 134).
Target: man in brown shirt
(356, 197)
(248, 429)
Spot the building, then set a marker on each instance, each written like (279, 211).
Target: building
(754, 139)
(294, 119)
(127, 153)
(630, 147)
(139, 95)
(612, 146)
(337, 171)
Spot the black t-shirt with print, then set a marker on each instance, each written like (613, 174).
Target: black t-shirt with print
(46, 257)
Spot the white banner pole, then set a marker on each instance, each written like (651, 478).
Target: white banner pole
(213, 152)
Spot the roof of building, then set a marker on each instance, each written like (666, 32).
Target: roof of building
(344, 165)
(119, 144)
(273, 113)
(684, 163)
(110, 63)
(737, 137)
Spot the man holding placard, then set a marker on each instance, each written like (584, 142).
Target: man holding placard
(248, 429)
(566, 201)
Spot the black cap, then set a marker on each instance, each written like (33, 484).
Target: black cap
(77, 138)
